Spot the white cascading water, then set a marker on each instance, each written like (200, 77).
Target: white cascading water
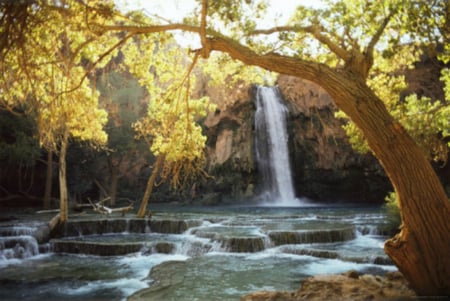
(272, 147)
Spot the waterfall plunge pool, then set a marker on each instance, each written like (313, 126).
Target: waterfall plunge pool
(228, 252)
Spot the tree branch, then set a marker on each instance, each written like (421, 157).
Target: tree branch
(273, 62)
(92, 65)
(316, 31)
(371, 46)
(150, 29)
(205, 47)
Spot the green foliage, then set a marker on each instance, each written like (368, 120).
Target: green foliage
(18, 145)
(46, 72)
(425, 119)
(233, 15)
(47, 66)
(170, 127)
(394, 219)
(428, 122)
(233, 72)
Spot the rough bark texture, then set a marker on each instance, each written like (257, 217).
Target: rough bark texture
(421, 251)
(63, 198)
(48, 180)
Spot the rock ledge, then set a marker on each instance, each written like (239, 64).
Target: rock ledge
(347, 286)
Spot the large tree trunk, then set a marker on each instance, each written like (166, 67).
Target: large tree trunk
(48, 180)
(63, 196)
(421, 251)
(149, 188)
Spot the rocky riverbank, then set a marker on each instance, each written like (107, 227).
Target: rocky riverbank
(349, 286)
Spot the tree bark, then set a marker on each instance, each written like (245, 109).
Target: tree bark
(149, 188)
(48, 180)
(421, 251)
(63, 196)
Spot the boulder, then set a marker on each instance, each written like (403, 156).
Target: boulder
(350, 286)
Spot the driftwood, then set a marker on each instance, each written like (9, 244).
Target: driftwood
(100, 208)
(47, 211)
(97, 207)
(54, 222)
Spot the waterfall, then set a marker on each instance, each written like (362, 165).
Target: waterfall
(271, 144)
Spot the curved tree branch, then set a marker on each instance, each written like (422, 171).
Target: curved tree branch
(316, 31)
(376, 37)
(274, 62)
(150, 29)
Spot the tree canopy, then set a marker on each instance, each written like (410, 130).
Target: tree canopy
(49, 50)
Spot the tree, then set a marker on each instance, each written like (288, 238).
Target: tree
(44, 62)
(336, 47)
(170, 127)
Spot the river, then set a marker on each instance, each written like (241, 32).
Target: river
(222, 253)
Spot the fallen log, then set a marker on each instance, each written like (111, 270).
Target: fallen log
(102, 209)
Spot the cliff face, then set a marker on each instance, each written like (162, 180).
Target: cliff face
(324, 166)
(230, 145)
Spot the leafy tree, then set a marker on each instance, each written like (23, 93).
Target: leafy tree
(336, 47)
(170, 127)
(46, 51)
(425, 119)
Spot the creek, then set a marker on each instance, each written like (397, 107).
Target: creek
(188, 253)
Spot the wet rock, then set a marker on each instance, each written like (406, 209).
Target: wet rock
(312, 252)
(313, 236)
(134, 225)
(164, 247)
(98, 226)
(95, 248)
(382, 260)
(349, 286)
(165, 276)
(324, 165)
(168, 226)
(243, 244)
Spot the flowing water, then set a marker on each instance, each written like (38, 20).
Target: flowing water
(271, 147)
(190, 253)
